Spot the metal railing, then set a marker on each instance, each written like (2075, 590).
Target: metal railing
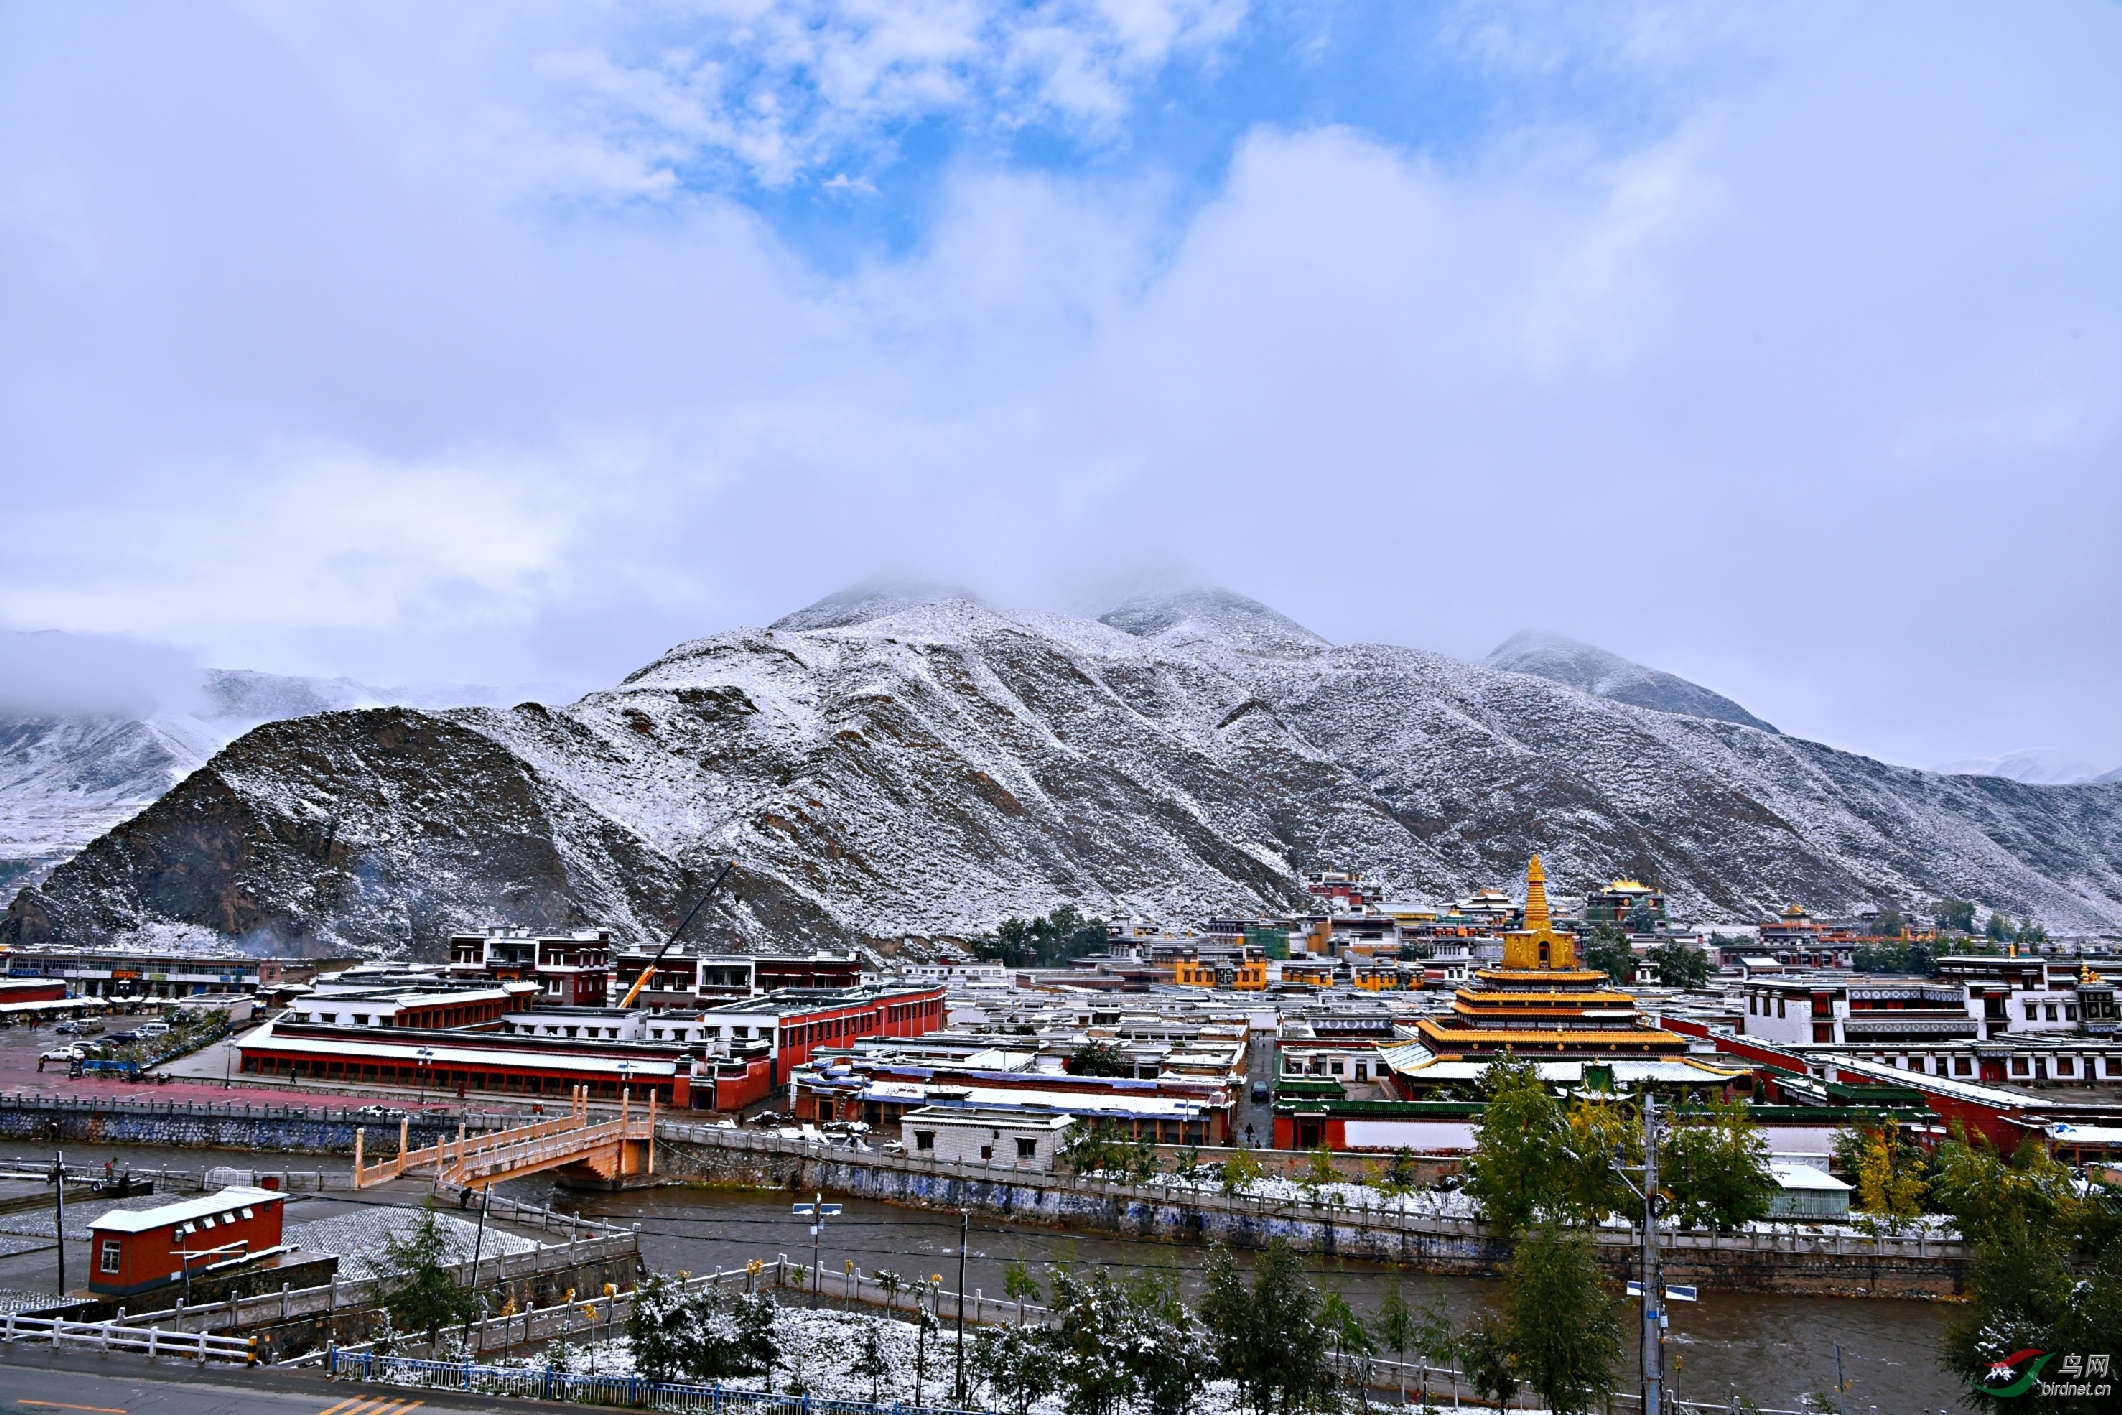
(126, 1336)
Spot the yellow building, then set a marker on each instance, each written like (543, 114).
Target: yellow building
(1240, 975)
(1543, 1001)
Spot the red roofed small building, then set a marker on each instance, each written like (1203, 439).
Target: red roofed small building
(132, 1250)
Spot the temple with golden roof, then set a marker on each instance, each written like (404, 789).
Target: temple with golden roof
(1543, 1002)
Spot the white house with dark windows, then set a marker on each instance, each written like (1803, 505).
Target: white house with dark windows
(1020, 1139)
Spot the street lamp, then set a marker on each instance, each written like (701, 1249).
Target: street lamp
(424, 1058)
(817, 1211)
(1651, 1288)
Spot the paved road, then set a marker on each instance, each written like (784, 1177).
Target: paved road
(76, 1383)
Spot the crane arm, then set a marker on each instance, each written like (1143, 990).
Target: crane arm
(650, 971)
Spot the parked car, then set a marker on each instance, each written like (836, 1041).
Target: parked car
(1261, 1095)
(68, 1029)
(62, 1054)
(154, 1029)
(122, 1038)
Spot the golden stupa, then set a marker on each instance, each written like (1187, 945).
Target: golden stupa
(1542, 1001)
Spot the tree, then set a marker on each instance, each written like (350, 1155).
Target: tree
(1607, 950)
(1642, 919)
(1019, 1364)
(1515, 1168)
(1396, 1330)
(424, 1296)
(1888, 1172)
(1239, 1169)
(1126, 1341)
(1098, 1059)
(871, 1359)
(1269, 1341)
(1680, 965)
(2047, 1261)
(1716, 1170)
(1093, 1147)
(1352, 1341)
(1319, 1171)
(1402, 1174)
(1889, 923)
(1020, 1287)
(1485, 1359)
(1562, 1324)
(1585, 1185)
(2030, 932)
(1999, 926)
(1957, 915)
(1043, 942)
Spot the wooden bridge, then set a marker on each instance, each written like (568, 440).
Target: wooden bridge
(606, 1152)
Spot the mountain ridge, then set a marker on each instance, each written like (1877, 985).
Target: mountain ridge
(929, 767)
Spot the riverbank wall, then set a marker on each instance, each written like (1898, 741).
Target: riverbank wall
(1820, 1263)
(211, 1125)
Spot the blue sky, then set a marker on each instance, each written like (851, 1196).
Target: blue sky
(1776, 346)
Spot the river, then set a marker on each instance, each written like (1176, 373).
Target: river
(1773, 1350)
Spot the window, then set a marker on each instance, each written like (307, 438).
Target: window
(2018, 1066)
(2032, 1013)
(1362, 1071)
(1962, 1066)
(2070, 1011)
(2063, 1066)
(987, 1152)
(2050, 1011)
(2114, 1066)
(924, 1139)
(208, 1222)
(1027, 1148)
(107, 1256)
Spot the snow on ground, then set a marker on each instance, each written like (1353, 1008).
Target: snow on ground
(80, 1213)
(358, 1238)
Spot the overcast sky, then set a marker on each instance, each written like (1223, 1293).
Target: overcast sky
(1781, 349)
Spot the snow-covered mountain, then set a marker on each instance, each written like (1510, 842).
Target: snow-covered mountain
(880, 766)
(67, 776)
(2042, 766)
(1608, 675)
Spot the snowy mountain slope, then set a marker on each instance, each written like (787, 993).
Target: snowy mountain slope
(2039, 766)
(67, 777)
(1608, 675)
(929, 767)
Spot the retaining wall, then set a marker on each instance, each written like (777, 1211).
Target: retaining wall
(265, 1129)
(1828, 1264)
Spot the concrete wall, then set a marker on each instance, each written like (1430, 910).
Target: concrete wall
(265, 1129)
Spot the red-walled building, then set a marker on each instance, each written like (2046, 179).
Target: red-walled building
(683, 1054)
(132, 1250)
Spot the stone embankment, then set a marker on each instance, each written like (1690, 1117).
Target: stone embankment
(232, 1125)
(1799, 1260)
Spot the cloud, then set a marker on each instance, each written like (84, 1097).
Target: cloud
(48, 672)
(484, 344)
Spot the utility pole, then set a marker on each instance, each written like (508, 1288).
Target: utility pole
(817, 1211)
(478, 1243)
(1653, 1279)
(59, 1212)
(965, 1229)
